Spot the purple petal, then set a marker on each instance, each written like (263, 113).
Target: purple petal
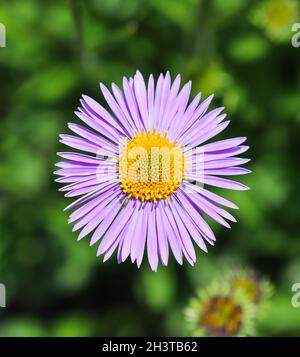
(224, 144)
(152, 238)
(224, 183)
(208, 194)
(116, 109)
(101, 115)
(199, 112)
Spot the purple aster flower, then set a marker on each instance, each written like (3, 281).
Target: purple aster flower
(140, 181)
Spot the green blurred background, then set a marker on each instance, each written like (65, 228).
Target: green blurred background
(56, 50)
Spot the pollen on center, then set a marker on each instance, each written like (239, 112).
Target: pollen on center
(150, 166)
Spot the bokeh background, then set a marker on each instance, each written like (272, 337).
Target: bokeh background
(56, 50)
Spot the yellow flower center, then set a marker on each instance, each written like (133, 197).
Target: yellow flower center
(280, 13)
(150, 166)
(221, 316)
(249, 287)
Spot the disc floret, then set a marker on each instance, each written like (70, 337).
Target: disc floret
(151, 167)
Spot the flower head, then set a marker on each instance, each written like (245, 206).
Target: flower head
(276, 17)
(253, 286)
(218, 312)
(140, 185)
